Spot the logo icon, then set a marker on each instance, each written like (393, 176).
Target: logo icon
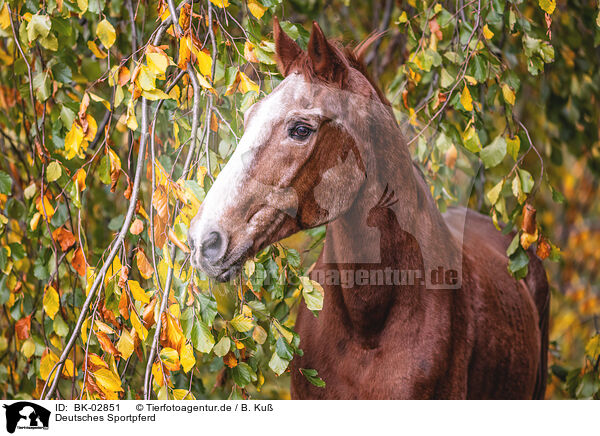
(26, 415)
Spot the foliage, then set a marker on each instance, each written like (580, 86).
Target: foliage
(115, 122)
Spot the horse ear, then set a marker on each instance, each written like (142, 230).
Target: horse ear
(328, 63)
(285, 47)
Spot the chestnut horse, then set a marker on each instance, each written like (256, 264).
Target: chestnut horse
(416, 304)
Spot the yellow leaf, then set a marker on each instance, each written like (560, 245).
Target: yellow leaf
(527, 239)
(83, 6)
(106, 33)
(155, 94)
(46, 364)
(187, 357)
(242, 323)
(204, 62)
(108, 380)
(137, 292)
(220, 3)
(4, 17)
(141, 331)
(51, 301)
(69, 369)
(146, 78)
(249, 52)
(132, 123)
(246, 84)
(170, 358)
(158, 63)
(256, 8)
(403, 18)
(73, 141)
(92, 128)
(259, 335)
(125, 344)
(103, 327)
(97, 52)
(508, 94)
(466, 100)
(487, 33)
(183, 394)
(44, 207)
(471, 80)
(99, 99)
(113, 270)
(157, 373)
(185, 45)
(28, 348)
(84, 331)
(548, 6)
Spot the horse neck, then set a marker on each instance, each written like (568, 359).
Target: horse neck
(403, 241)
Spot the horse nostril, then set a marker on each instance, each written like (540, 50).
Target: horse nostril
(213, 246)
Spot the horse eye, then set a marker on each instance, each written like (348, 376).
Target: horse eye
(300, 131)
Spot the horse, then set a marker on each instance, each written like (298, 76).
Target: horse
(324, 148)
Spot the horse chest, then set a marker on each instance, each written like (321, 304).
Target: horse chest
(395, 364)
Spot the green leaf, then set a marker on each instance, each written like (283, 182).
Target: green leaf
(526, 181)
(283, 349)
(514, 244)
(494, 153)
(313, 377)
(513, 145)
(202, 338)
(223, 346)
(557, 195)
(38, 26)
(494, 194)
(242, 323)
(5, 183)
(277, 364)
(312, 293)
(53, 172)
(471, 140)
(243, 374)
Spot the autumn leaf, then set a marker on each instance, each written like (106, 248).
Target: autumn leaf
(220, 3)
(170, 358)
(145, 268)
(125, 344)
(137, 292)
(187, 358)
(22, 328)
(64, 237)
(106, 33)
(466, 100)
(107, 344)
(508, 94)
(51, 303)
(185, 52)
(256, 9)
(78, 262)
(97, 52)
(45, 208)
(204, 62)
(548, 6)
(487, 33)
(141, 331)
(109, 382)
(136, 227)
